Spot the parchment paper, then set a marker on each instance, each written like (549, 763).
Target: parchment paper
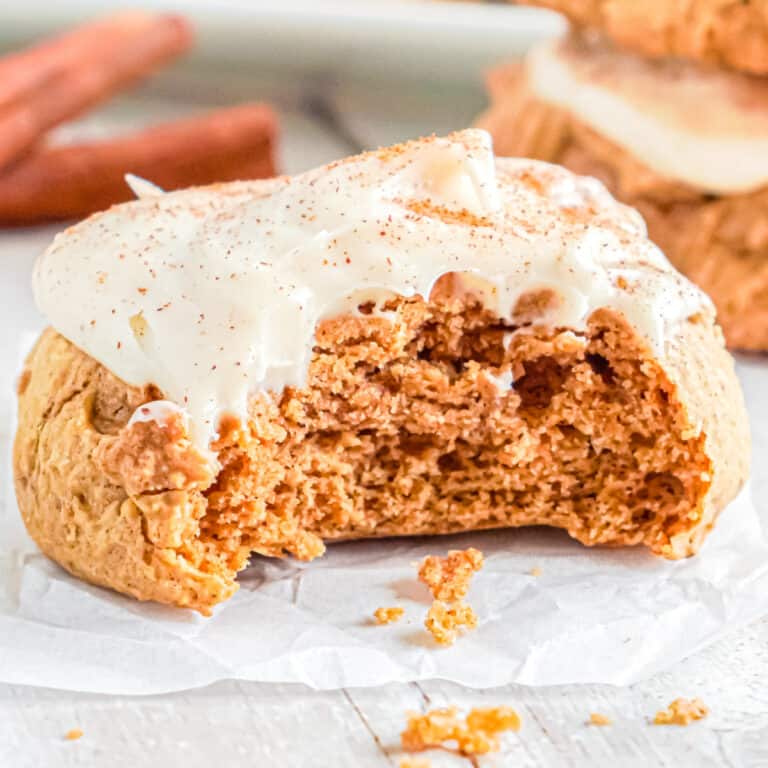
(601, 616)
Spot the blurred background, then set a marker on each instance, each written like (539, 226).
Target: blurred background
(343, 74)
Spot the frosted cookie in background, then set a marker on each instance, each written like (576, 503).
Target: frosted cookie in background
(682, 140)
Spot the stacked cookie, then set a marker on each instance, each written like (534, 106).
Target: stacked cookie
(666, 103)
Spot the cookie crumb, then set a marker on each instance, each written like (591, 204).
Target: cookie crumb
(448, 577)
(73, 735)
(595, 718)
(430, 729)
(681, 712)
(388, 615)
(415, 763)
(491, 721)
(477, 735)
(448, 580)
(535, 571)
(445, 619)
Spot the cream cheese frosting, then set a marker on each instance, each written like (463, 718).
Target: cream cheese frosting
(213, 294)
(705, 127)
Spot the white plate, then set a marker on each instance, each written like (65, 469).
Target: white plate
(439, 41)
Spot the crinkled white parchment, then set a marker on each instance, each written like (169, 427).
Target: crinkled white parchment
(599, 616)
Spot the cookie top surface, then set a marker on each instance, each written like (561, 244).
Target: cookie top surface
(214, 293)
(721, 33)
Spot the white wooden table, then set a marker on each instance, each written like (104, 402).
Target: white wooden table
(246, 724)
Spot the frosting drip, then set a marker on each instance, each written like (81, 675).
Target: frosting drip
(213, 294)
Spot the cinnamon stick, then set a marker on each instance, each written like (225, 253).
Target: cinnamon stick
(61, 78)
(75, 180)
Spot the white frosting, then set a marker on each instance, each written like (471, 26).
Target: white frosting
(213, 294)
(159, 411)
(141, 187)
(705, 127)
(503, 381)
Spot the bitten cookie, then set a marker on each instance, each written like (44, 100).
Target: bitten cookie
(468, 344)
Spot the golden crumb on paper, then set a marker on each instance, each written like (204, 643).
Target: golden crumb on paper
(535, 571)
(478, 734)
(388, 615)
(448, 580)
(448, 577)
(595, 718)
(73, 735)
(681, 712)
(445, 619)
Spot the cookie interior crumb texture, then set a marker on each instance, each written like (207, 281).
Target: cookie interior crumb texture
(681, 712)
(448, 577)
(477, 734)
(388, 615)
(399, 431)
